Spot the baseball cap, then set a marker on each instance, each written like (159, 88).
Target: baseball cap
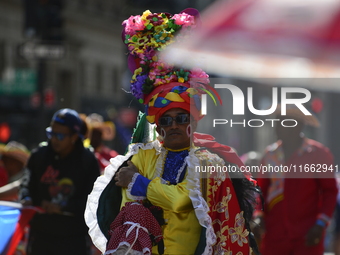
(69, 118)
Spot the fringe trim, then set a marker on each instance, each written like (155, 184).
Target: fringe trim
(200, 205)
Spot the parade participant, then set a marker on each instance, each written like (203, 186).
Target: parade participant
(299, 204)
(14, 156)
(203, 213)
(62, 174)
(100, 131)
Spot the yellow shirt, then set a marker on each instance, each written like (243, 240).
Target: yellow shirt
(182, 230)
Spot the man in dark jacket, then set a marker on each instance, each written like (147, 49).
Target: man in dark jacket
(62, 174)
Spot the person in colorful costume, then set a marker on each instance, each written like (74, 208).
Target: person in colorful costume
(298, 205)
(203, 213)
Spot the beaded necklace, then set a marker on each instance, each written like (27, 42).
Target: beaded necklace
(174, 165)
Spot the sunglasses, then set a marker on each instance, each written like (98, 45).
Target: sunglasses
(166, 121)
(59, 136)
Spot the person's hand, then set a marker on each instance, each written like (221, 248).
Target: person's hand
(50, 208)
(314, 235)
(124, 175)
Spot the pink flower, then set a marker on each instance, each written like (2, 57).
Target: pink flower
(184, 19)
(198, 77)
(133, 24)
(198, 73)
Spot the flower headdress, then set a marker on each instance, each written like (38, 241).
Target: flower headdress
(147, 35)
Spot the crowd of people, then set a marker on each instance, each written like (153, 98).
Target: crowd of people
(150, 199)
(56, 178)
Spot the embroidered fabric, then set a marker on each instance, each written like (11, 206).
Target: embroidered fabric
(160, 171)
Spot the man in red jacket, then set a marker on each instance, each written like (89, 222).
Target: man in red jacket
(301, 196)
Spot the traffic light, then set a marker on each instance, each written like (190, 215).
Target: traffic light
(5, 132)
(43, 19)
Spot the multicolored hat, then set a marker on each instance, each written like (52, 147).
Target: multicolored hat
(157, 84)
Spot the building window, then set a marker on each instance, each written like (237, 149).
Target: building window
(116, 86)
(2, 58)
(99, 78)
(81, 78)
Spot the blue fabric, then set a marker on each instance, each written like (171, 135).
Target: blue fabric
(174, 161)
(161, 102)
(179, 89)
(321, 223)
(8, 219)
(140, 186)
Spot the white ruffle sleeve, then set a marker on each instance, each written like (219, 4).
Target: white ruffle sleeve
(90, 215)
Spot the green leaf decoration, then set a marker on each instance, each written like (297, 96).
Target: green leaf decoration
(211, 95)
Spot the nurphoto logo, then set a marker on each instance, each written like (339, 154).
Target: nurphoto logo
(239, 104)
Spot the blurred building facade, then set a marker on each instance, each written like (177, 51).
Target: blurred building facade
(87, 77)
(92, 74)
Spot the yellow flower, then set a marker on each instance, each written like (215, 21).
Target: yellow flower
(154, 43)
(146, 14)
(136, 72)
(138, 51)
(158, 29)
